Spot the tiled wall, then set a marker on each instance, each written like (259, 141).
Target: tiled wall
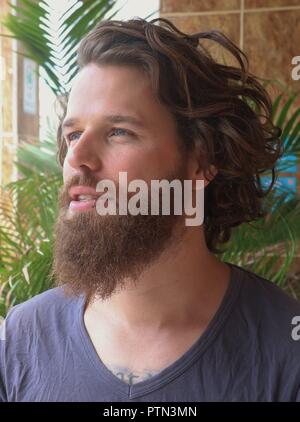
(7, 141)
(268, 31)
(16, 126)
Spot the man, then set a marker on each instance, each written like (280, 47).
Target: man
(143, 309)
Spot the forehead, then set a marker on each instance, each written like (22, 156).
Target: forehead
(110, 86)
(113, 90)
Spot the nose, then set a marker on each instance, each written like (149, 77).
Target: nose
(85, 153)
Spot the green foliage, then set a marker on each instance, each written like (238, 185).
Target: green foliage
(268, 246)
(27, 214)
(55, 53)
(41, 158)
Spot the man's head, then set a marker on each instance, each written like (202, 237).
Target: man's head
(97, 254)
(150, 100)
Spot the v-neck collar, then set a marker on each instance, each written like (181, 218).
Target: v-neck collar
(176, 368)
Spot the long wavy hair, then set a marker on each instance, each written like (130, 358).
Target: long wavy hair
(223, 108)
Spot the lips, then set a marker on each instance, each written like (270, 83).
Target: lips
(83, 198)
(82, 192)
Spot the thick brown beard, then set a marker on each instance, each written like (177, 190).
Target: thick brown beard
(95, 255)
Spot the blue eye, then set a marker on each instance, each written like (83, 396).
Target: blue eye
(115, 132)
(70, 137)
(122, 130)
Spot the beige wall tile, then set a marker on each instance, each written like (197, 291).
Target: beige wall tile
(271, 3)
(172, 6)
(270, 41)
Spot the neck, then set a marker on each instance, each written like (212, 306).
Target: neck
(186, 284)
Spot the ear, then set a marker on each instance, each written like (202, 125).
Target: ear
(195, 171)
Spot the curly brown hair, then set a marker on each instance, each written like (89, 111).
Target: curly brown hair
(224, 108)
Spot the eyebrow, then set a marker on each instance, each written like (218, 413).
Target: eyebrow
(115, 118)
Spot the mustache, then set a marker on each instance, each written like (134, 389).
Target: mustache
(84, 179)
(81, 179)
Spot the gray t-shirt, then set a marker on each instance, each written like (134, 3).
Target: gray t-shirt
(247, 352)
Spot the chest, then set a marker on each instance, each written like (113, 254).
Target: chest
(139, 356)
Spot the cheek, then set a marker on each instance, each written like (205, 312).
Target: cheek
(145, 164)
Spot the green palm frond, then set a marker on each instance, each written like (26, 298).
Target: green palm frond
(289, 121)
(27, 215)
(40, 158)
(55, 53)
(269, 245)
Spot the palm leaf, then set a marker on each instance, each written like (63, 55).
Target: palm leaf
(269, 245)
(31, 24)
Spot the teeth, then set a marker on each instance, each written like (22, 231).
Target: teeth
(86, 197)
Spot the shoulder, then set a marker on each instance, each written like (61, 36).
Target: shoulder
(268, 312)
(34, 334)
(265, 321)
(42, 310)
(263, 295)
